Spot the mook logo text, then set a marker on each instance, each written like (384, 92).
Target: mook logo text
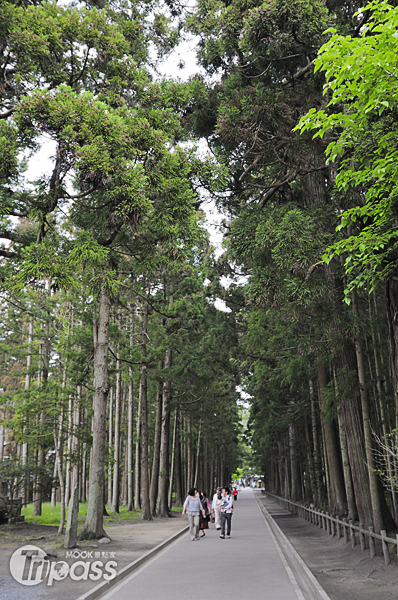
(30, 565)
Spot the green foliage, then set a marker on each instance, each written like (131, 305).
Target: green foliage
(360, 86)
(9, 149)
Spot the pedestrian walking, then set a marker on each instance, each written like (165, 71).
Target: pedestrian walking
(204, 519)
(235, 494)
(216, 508)
(193, 508)
(226, 513)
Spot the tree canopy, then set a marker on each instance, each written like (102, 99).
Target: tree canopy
(122, 380)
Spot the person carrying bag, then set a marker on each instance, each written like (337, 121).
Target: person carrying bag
(193, 508)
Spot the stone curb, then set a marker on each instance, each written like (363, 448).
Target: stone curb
(291, 555)
(104, 586)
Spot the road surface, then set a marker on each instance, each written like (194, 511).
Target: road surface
(248, 565)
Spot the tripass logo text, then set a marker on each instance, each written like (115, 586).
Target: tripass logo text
(30, 565)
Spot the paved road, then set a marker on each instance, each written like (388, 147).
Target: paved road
(246, 566)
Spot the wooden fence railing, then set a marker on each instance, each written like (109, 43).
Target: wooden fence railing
(341, 528)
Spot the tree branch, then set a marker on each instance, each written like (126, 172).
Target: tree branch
(6, 114)
(274, 186)
(299, 73)
(148, 363)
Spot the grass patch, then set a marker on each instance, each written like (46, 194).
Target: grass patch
(177, 509)
(123, 515)
(51, 515)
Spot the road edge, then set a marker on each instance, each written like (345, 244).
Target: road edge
(291, 554)
(105, 586)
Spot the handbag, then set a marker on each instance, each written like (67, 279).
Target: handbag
(212, 518)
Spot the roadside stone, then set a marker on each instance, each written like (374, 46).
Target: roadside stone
(104, 540)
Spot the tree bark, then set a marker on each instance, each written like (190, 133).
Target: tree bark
(110, 444)
(42, 381)
(197, 456)
(374, 487)
(137, 478)
(116, 448)
(173, 456)
(384, 423)
(189, 457)
(347, 385)
(130, 425)
(84, 474)
(349, 488)
(332, 449)
(317, 451)
(178, 484)
(164, 440)
(311, 484)
(93, 527)
(146, 509)
(25, 487)
(295, 464)
(392, 328)
(59, 444)
(156, 447)
(73, 508)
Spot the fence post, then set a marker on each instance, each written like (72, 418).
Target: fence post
(338, 531)
(362, 538)
(325, 521)
(329, 523)
(345, 530)
(332, 525)
(371, 541)
(384, 544)
(352, 534)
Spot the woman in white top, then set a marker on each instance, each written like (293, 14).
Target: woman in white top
(193, 508)
(216, 508)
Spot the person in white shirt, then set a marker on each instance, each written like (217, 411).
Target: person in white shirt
(193, 508)
(216, 508)
(227, 503)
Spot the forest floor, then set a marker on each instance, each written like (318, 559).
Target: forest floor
(130, 539)
(342, 571)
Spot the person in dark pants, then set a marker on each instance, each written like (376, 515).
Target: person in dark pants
(204, 520)
(226, 513)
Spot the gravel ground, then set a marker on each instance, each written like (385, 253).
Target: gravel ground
(129, 541)
(11, 590)
(344, 573)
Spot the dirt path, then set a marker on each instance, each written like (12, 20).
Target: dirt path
(343, 572)
(129, 541)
